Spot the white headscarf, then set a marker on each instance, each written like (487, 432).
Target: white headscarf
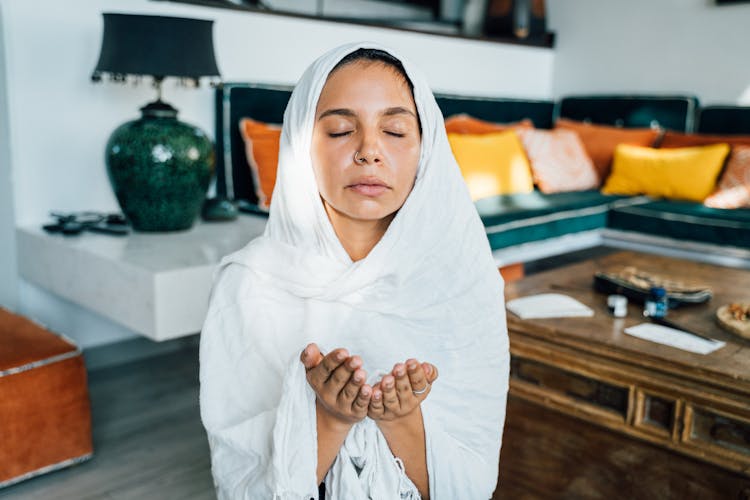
(429, 290)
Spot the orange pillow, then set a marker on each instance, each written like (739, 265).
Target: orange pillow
(680, 140)
(467, 124)
(558, 160)
(600, 141)
(733, 190)
(262, 153)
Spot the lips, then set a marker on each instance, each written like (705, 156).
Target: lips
(369, 186)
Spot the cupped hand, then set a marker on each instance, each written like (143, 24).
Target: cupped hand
(339, 383)
(393, 396)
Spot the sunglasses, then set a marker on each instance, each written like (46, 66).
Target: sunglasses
(75, 223)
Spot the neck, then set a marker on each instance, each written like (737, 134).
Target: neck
(357, 236)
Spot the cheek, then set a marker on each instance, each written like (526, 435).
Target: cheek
(326, 163)
(406, 168)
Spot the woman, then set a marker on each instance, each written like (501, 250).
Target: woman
(324, 338)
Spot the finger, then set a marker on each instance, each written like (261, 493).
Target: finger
(403, 386)
(363, 400)
(311, 356)
(417, 377)
(376, 408)
(430, 371)
(390, 397)
(349, 392)
(331, 361)
(341, 375)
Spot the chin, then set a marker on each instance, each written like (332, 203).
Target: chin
(368, 210)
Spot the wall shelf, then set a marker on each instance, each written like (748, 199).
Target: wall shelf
(156, 284)
(545, 41)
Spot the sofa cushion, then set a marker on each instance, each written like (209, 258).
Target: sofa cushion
(520, 218)
(600, 141)
(682, 173)
(498, 110)
(679, 140)
(643, 111)
(724, 120)
(685, 220)
(559, 161)
(467, 124)
(733, 190)
(492, 164)
(262, 152)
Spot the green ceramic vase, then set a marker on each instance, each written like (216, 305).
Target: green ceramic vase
(159, 168)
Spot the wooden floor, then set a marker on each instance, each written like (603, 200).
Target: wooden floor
(148, 439)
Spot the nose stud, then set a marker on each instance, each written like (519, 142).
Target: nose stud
(357, 158)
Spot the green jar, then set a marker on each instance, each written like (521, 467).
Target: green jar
(159, 168)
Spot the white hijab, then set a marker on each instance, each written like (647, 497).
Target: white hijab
(429, 290)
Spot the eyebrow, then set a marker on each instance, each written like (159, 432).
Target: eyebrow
(396, 110)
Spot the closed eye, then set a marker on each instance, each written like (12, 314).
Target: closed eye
(339, 134)
(395, 134)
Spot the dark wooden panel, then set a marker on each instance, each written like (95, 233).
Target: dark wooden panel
(597, 393)
(714, 429)
(550, 455)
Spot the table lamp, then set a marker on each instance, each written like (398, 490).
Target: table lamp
(159, 167)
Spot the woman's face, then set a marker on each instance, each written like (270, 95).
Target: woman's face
(366, 108)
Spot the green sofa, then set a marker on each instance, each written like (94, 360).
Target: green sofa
(525, 227)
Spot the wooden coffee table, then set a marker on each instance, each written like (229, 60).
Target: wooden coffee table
(596, 413)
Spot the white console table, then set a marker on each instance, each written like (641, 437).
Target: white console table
(156, 284)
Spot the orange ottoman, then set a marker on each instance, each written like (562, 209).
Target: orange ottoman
(45, 415)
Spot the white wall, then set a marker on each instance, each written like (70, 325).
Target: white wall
(8, 279)
(647, 46)
(59, 121)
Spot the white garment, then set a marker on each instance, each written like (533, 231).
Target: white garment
(429, 290)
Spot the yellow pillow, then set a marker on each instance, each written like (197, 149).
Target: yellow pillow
(492, 163)
(680, 173)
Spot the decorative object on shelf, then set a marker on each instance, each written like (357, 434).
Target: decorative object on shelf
(474, 14)
(218, 210)
(520, 19)
(159, 167)
(76, 223)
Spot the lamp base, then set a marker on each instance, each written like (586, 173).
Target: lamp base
(159, 168)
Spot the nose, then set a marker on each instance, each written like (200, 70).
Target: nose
(369, 150)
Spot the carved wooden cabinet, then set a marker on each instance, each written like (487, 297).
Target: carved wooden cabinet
(662, 422)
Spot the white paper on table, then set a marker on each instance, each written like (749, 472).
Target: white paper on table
(674, 338)
(548, 305)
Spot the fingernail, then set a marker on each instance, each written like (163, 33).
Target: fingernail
(412, 365)
(365, 392)
(376, 396)
(358, 377)
(429, 369)
(339, 356)
(399, 371)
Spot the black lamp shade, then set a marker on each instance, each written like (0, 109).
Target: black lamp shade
(158, 46)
